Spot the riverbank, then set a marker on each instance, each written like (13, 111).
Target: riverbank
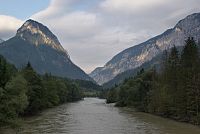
(170, 89)
(174, 118)
(94, 116)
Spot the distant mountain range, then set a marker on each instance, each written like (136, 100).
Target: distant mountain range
(153, 63)
(1, 40)
(128, 61)
(36, 44)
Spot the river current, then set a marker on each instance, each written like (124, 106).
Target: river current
(94, 116)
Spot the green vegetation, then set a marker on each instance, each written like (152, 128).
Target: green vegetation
(172, 91)
(24, 92)
(89, 88)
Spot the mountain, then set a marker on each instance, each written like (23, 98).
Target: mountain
(1, 40)
(154, 62)
(135, 56)
(36, 44)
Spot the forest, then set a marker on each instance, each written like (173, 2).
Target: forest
(171, 91)
(25, 93)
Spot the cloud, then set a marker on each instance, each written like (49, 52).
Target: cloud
(8, 26)
(77, 24)
(57, 8)
(89, 35)
(94, 35)
(94, 31)
(128, 6)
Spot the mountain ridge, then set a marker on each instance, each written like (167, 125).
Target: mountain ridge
(36, 33)
(36, 44)
(1, 40)
(135, 56)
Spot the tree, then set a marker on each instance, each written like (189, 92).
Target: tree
(51, 88)
(111, 96)
(173, 91)
(171, 80)
(74, 93)
(190, 71)
(4, 75)
(13, 99)
(36, 92)
(27, 93)
(63, 91)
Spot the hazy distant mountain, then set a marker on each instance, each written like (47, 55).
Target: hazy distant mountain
(155, 62)
(1, 40)
(135, 56)
(35, 43)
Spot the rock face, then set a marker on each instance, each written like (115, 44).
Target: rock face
(135, 56)
(38, 34)
(36, 44)
(153, 63)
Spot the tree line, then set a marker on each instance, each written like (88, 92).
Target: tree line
(24, 92)
(172, 91)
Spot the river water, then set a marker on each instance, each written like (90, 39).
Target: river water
(94, 116)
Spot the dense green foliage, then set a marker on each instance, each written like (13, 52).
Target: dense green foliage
(89, 88)
(25, 92)
(173, 91)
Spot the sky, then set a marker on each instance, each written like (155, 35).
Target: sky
(93, 31)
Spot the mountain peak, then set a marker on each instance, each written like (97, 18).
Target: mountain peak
(36, 44)
(189, 21)
(38, 34)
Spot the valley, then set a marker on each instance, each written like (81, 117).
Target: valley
(150, 87)
(94, 116)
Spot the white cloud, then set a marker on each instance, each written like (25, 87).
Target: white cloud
(94, 35)
(129, 6)
(56, 8)
(8, 26)
(77, 24)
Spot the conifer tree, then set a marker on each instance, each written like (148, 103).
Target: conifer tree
(190, 64)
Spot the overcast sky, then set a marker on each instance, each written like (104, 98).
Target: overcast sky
(93, 31)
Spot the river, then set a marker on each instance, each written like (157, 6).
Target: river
(94, 116)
